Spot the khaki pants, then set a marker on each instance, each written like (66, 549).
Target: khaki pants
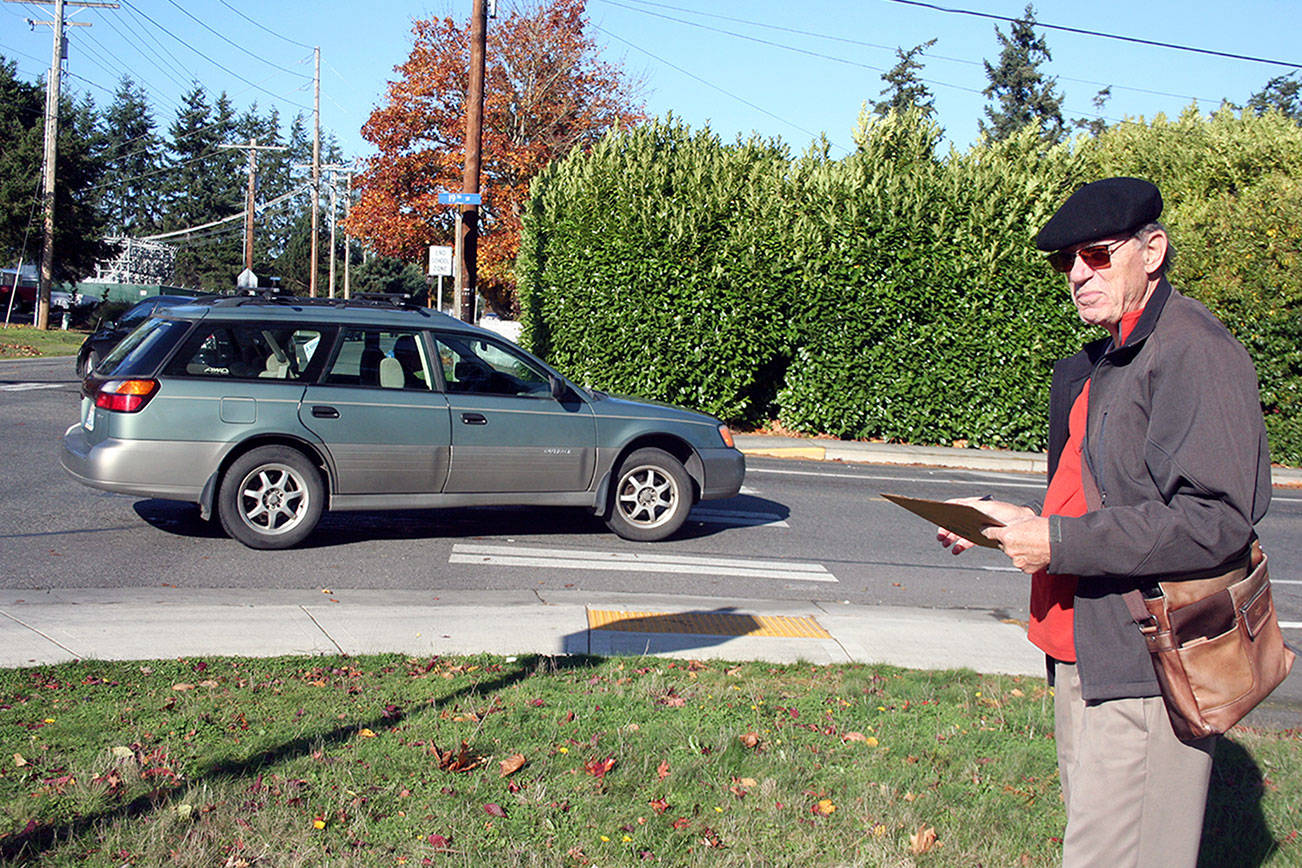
(1135, 793)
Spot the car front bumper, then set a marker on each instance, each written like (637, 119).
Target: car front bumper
(724, 469)
(146, 468)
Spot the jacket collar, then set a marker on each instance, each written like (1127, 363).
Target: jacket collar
(1147, 319)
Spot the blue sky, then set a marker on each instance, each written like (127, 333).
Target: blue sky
(738, 66)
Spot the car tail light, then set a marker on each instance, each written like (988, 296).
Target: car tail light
(726, 434)
(125, 396)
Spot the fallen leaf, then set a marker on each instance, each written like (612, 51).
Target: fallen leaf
(183, 686)
(824, 807)
(750, 739)
(682, 823)
(495, 809)
(512, 764)
(439, 842)
(462, 761)
(749, 783)
(19, 761)
(922, 840)
(598, 767)
(365, 733)
(659, 805)
(662, 770)
(854, 736)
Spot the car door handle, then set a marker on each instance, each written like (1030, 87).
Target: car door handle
(321, 412)
(474, 419)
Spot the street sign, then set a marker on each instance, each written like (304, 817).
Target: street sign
(446, 198)
(440, 261)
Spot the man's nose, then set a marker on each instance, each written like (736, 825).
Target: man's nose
(1080, 272)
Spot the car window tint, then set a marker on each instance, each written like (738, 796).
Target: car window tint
(384, 358)
(246, 351)
(138, 354)
(484, 367)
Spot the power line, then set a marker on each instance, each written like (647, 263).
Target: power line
(264, 27)
(1100, 34)
(235, 44)
(225, 67)
(929, 55)
(712, 85)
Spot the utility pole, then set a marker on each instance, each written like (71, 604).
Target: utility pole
(52, 87)
(316, 166)
(252, 147)
(469, 228)
(336, 170)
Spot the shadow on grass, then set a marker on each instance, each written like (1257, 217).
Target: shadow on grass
(1235, 834)
(29, 844)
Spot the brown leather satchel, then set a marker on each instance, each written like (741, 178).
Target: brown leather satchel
(1215, 644)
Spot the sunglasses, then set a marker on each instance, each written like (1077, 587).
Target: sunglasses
(1096, 256)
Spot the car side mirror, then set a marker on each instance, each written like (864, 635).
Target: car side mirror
(559, 389)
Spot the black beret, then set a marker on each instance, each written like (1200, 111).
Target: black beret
(1113, 206)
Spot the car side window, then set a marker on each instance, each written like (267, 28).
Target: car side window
(387, 358)
(247, 351)
(477, 366)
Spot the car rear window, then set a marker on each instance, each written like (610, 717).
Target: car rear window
(140, 352)
(250, 350)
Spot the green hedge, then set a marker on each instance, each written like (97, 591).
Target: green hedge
(893, 294)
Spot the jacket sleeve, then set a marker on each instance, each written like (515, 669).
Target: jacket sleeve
(1206, 459)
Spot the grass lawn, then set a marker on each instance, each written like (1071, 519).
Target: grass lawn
(469, 761)
(25, 342)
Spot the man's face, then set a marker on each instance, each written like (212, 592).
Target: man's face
(1103, 295)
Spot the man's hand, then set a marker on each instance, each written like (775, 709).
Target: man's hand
(1026, 543)
(1008, 513)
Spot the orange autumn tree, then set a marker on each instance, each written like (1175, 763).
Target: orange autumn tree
(545, 93)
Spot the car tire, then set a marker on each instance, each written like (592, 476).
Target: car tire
(651, 496)
(270, 498)
(87, 363)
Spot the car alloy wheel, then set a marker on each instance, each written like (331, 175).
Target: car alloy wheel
(652, 497)
(271, 498)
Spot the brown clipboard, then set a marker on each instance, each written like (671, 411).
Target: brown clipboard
(960, 518)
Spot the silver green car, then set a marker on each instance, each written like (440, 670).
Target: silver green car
(266, 411)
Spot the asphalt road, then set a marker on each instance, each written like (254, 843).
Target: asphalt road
(800, 530)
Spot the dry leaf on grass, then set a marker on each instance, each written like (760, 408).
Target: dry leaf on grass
(512, 764)
(922, 840)
(461, 761)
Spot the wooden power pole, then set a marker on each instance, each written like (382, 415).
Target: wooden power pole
(52, 87)
(474, 143)
(252, 147)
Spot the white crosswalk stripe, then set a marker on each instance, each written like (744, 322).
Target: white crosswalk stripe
(574, 559)
(736, 518)
(30, 387)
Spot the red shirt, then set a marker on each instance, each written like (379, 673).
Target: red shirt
(1052, 595)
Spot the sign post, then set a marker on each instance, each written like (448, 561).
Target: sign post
(459, 199)
(440, 266)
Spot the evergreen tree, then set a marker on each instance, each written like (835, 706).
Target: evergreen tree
(79, 223)
(904, 89)
(1283, 92)
(1021, 94)
(132, 153)
(1095, 125)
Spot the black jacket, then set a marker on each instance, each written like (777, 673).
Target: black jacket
(1177, 445)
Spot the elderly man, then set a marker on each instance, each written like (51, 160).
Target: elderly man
(1158, 426)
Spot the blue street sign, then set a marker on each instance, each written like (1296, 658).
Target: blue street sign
(460, 199)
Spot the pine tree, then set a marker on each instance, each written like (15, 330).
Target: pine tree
(132, 152)
(1022, 95)
(904, 89)
(1283, 92)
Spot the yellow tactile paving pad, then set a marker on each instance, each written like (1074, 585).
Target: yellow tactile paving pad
(707, 624)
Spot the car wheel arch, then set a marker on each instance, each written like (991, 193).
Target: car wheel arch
(207, 501)
(675, 446)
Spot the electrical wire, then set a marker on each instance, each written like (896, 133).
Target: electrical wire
(128, 4)
(235, 44)
(929, 55)
(264, 27)
(714, 86)
(1100, 34)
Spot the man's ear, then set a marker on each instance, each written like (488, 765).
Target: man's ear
(1154, 251)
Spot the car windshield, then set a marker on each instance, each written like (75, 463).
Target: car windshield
(140, 352)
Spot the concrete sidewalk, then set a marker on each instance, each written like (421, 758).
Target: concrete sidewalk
(41, 627)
